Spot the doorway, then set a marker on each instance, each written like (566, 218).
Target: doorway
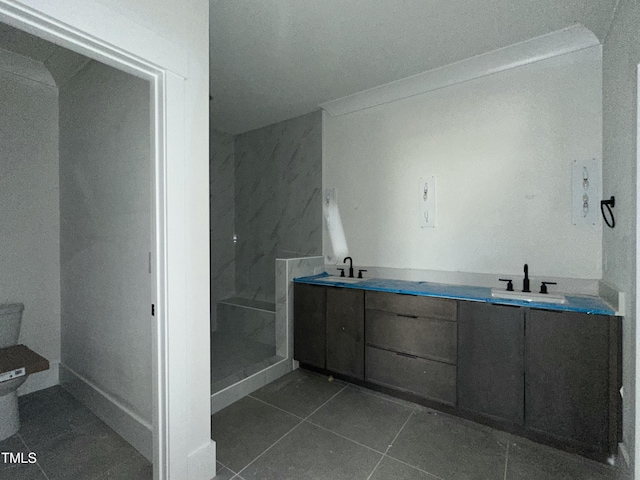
(77, 233)
(181, 426)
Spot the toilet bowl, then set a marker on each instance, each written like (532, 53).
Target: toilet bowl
(9, 414)
(10, 321)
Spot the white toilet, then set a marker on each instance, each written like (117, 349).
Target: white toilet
(10, 321)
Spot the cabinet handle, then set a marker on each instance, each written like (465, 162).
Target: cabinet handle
(406, 316)
(408, 355)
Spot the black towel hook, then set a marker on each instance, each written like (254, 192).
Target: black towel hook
(609, 204)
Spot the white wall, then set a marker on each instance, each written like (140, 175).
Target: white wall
(29, 217)
(500, 147)
(105, 211)
(621, 58)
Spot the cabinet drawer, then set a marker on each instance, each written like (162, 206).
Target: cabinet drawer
(441, 308)
(425, 337)
(426, 378)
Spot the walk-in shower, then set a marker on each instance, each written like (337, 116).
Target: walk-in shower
(244, 341)
(266, 204)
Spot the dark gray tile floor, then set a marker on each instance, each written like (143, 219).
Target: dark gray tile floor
(305, 427)
(69, 442)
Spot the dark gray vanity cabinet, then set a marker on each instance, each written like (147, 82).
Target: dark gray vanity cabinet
(328, 330)
(491, 360)
(572, 378)
(411, 344)
(549, 375)
(345, 331)
(310, 328)
(553, 374)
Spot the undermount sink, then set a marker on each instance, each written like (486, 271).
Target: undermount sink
(337, 278)
(528, 296)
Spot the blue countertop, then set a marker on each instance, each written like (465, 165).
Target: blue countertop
(575, 303)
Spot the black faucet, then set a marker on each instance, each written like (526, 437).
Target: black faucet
(525, 283)
(350, 265)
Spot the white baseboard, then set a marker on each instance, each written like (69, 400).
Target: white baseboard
(41, 380)
(202, 462)
(127, 424)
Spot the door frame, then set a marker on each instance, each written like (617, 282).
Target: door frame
(166, 76)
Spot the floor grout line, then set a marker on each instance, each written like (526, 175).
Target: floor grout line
(506, 462)
(276, 407)
(269, 448)
(414, 467)
(376, 467)
(235, 474)
(23, 442)
(342, 436)
(400, 431)
(389, 446)
(386, 453)
(383, 454)
(43, 472)
(332, 397)
(29, 449)
(296, 426)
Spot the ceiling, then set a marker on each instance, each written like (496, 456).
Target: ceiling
(61, 63)
(271, 60)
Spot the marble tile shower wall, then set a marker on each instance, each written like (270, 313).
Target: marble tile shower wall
(222, 218)
(278, 209)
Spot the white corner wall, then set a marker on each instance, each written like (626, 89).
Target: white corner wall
(29, 217)
(500, 147)
(105, 212)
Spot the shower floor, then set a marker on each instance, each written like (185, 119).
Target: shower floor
(235, 357)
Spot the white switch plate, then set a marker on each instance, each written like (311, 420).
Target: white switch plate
(585, 192)
(427, 211)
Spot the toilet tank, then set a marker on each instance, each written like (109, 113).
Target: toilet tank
(10, 320)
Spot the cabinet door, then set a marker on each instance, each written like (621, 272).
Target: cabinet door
(345, 331)
(491, 360)
(567, 371)
(309, 326)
